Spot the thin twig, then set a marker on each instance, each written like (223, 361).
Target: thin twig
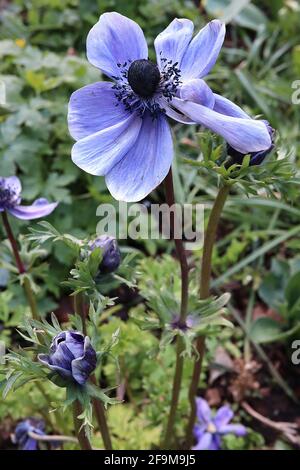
(52, 438)
(289, 430)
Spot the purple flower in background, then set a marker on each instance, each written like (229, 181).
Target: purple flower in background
(22, 433)
(209, 430)
(10, 201)
(256, 158)
(121, 128)
(71, 356)
(111, 256)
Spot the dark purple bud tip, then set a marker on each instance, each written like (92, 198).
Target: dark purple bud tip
(256, 158)
(111, 256)
(72, 356)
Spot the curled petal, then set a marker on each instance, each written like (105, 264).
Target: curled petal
(115, 40)
(146, 164)
(92, 109)
(45, 359)
(171, 43)
(83, 366)
(198, 91)
(228, 108)
(202, 53)
(40, 208)
(98, 153)
(245, 135)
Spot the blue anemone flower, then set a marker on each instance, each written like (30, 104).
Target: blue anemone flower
(23, 437)
(121, 126)
(10, 201)
(209, 430)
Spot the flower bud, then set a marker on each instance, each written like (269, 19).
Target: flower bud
(111, 256)
(71, 356)
(256, 158)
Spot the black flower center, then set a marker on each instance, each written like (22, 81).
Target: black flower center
(143, 77)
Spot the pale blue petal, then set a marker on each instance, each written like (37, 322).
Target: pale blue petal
(99, 152)
(204, 442)
(202, 53)
(245, 135)
(198, 91)
(171, 43)
(227, 107)
(203, 411)
(146, 165)
(94, 108)
(40, 208)
(237, 429)
(115, 40)
(223, 416)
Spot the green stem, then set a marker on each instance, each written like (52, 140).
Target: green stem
(97, 404)
(181, 253)
(81, 436)
(102, 422)
(209, 240)
(21, 268)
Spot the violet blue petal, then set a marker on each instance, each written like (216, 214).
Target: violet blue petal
(171, 43)
(223, 416)
(227, 107)
(40, 208)
(201, 55)
(98, 153)
(115, 40)
(45, 359)
(245, 135)
(203, 411)
(204, 442)
(198, 91)
(94, 108)
(237, 429)
(84, 365)
(146, 164)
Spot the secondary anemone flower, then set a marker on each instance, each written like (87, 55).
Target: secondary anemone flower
(121, 127)
(10, 201)
(22, 435)
(209, 430)
(72, 356)
(111, 256)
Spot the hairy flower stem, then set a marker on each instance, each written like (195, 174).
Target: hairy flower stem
(97, 404)
(81, 436)
(21, 268)
(206, 267)
(181, 253)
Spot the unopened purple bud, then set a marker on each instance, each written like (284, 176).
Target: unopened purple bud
(111, 256)
(71, 355)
